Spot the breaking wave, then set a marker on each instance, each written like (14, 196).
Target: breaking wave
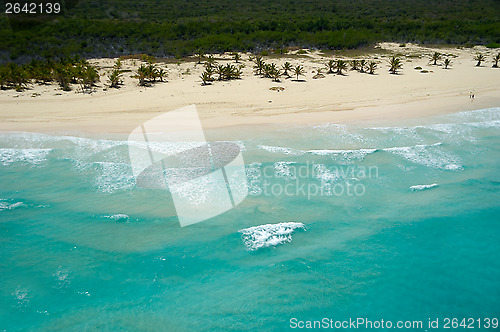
(419, 187)
(269, 235)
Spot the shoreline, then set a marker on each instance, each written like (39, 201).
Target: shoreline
(250, 102)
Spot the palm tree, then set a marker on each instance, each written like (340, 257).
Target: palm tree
(270, 71)
(371, 67)
(362, 65)
(287, 66)
(17, 76)
(354, 64)
(220, 70)
(200, 55)
(340, 65)
(118, 64)
(40, 71)
(209, 69)
(436, 57)
(141, 74)
(298, 71)
(161, 73)
(62, 75)
(236, 72)
(395, 64)
(90, 77)
(4, 77)
(496, 58)
(319, 74)
(228, 71)
(206, 78)
(114, 78)
(331, 66)
(259, 65)
(275, 74)
(447, 63)
(76, 72)
(479, 58)
(211, 60)
(45, 73)
(236, 57)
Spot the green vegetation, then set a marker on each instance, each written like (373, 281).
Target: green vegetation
(496, 58)
(148, 73)
(395, 64)
(65, 72)
(225, 73)
(200, 55)
(115, 75)
(362, 65)
(319, 74)
(272, 71)
(372, 66)
(330, 66)
(436, 57)
(178, 28)
(354, 64)
(298, 71)
(447, 63)
(287, 68)
(479, 58)
(259, 65)
(340, 65)
(236, 57)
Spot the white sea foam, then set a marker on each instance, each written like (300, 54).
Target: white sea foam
(340, 134)
(240, 144)
(117, 217)
(282, 169)
(62, 276)
(269, 235)
(482, 115)
(485, 124)
(280, 149)
(325, 175)
(419, 187)
(22, 296)
(428, 155)
(201, 192)
(346, 155)
(27, 156)
(254, 177)
(4, 205)
(114, 176)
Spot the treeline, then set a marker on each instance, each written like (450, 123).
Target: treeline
(70, 71)
(161, 28)
(65, 72)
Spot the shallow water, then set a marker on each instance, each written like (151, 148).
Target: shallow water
(393, 223)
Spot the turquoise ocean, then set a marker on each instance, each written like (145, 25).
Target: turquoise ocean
(398, 222)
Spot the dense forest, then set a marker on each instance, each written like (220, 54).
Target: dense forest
(177, 28)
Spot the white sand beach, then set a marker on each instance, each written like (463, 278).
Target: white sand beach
(356, 96)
